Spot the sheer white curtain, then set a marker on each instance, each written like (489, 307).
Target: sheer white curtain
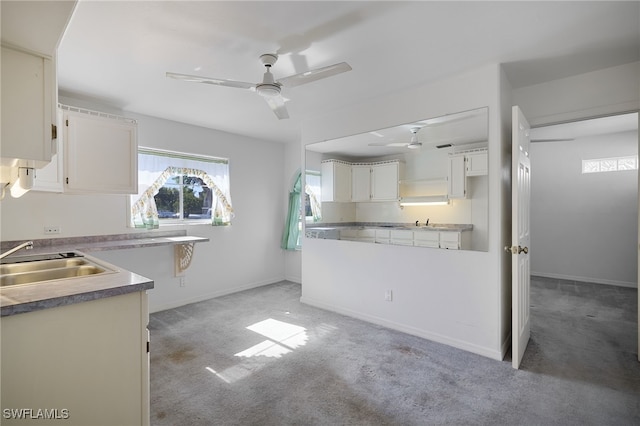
(156, 167)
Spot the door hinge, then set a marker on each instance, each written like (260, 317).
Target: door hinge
(66, 122)
(54, 131)
(147, 346)
(67, 180)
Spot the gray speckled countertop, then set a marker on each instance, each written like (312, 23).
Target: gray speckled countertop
(24, 298)
(457, 227)
(106, 242)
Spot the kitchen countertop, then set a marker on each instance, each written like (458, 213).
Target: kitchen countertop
(24, 298)
(106, 242)
(391, 226)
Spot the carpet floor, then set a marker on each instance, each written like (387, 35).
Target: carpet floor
(260, 357)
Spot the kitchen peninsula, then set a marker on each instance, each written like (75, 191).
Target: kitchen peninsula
(444, 236)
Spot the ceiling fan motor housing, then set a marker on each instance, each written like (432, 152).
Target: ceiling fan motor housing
(268, 88)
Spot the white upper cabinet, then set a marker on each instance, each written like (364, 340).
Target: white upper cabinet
(30, 34)
(28, 112)
(477, 164)
(336, 181)
(360, 182)
(100, 154)
(375, 181)
(385, 178)
(456, 179)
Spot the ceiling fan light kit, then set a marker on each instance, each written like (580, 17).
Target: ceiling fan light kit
(269, 88)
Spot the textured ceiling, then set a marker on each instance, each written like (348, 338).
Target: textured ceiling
(117, 52)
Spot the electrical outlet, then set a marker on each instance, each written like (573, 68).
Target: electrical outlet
(52, 229)
(388, 295)
(183, 281)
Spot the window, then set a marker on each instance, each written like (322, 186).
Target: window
(176, 188)
(312, 211)
(612, 164)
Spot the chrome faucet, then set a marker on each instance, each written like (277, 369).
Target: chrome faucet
(27, 246)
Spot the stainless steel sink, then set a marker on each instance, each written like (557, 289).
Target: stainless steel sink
(28, 270)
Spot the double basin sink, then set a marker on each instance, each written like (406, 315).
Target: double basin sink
(55, 266)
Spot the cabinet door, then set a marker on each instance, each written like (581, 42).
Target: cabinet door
(336, 181)
(457, 181)
(101, 154)
(477, 164)
(402, 238)
(427, 239)
(89, 358)
(28, 95)
(50, 178)
(450, 240)
(360, 182)
(384, 181)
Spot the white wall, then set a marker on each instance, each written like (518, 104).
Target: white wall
(453, 297)
(584, 226)
(243, 255)
(293, 161)
(598, 93)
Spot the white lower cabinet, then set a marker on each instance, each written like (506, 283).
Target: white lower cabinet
(401, 238)
(89, 360)
(427, 239)
(383, 236)
(349, 234)
(353, 234)
(455, 240)
(451, 240)
(366, 235)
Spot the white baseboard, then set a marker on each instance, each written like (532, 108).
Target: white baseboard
(294, 279)
(586, 279)
(212, 295)
(459, 344)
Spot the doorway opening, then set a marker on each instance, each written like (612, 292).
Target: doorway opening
(584, 239)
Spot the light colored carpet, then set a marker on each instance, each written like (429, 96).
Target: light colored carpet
(260, 357)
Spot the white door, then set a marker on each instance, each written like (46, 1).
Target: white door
(520, 236)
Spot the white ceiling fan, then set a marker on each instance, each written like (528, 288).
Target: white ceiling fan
(270, 88)
(414, 143)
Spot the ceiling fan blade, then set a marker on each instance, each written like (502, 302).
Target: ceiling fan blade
(552, 140)
(276, 103)
(214, 81)
(313, 75)
(390, 144)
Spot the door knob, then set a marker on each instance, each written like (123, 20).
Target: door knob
(516, 249)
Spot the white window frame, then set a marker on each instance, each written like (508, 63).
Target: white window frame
(181, 156)
(610, 164)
